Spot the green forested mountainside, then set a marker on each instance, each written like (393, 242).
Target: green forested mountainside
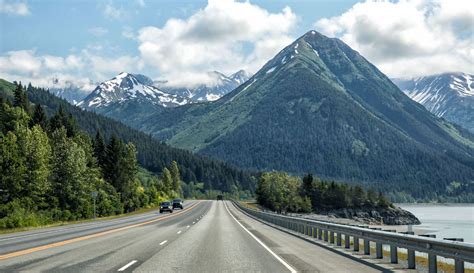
(152, 154)
(51, 171)
(320, 107)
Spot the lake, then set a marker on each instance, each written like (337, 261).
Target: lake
(444, 220)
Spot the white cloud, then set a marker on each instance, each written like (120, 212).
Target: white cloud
(226, 36)
(14, 7)
(53, 71)
(128, 33)
(112, 12)
(98, 31)
(408, 38)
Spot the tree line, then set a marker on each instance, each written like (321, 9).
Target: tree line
(50, 169)
(152, 154)
(283, 193)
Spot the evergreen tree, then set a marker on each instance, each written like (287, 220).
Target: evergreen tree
(12, 169)
(176, 177)
(39, 117)
(21, 98)
(99, 149)
(63, 119)
(307, 185)
(35, 147)
(71, 187)
(167, 179)
(112, 169)
(359, 197)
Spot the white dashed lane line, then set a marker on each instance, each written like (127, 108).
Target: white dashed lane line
(179, 232)
(127, 265)
(164, 242)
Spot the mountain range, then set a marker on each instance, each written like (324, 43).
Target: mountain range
(152, 154)
(448, 95)
(318, 106)
(219, 86)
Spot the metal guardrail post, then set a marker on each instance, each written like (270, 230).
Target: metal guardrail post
(411, 259)
(326, 235)
(366, 247)
(339, 239)
(432, 263)
(393, 251)
(378, 250)
(347, 241)
(356, 243)
(320, 233)
(432, 258)
(410, 253)
(331, 237)
(458, 264)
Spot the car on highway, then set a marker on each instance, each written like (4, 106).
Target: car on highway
(220, 197)
(177, 203)
(166, 206)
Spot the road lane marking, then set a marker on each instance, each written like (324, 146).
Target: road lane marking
(292, 270)
(194, 223)
(187, 226)
(164, 242)
(179, 232)
(127, 265)
(86, 237)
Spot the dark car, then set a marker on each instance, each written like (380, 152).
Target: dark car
(166, 206)
(177, 203)
(220, 197)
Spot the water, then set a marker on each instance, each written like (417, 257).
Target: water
(444, 220)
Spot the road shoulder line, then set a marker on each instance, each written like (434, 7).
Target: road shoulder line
(289, 267)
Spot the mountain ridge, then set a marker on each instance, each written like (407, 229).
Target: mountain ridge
(318, 106)
(446, 95)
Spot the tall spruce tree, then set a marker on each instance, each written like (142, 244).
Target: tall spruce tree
(39, 117)
(20, 98)
(63, 119)
(176, 177)
(99, 149)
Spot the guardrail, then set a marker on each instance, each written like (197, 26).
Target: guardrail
(333, 233)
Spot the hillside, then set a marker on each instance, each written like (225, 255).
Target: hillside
(152, 154)
(449, 95)
(318, 106)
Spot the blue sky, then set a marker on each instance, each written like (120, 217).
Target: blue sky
(82, 42)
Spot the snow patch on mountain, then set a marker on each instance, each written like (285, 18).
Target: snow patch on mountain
(129, 87)
(219, 86)
(449, 95)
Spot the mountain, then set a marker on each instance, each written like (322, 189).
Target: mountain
(449, 95)
(219, 86)
(152, 154)
(318, 106)
(127, 87)
(69, 90)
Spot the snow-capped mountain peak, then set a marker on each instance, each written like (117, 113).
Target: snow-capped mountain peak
(219, 86)
(127, 87)
(448, 95)
(240, 76)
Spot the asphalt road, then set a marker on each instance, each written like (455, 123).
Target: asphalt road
(207, 236)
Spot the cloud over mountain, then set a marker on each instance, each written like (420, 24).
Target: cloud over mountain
(246, 34)
(408, 37)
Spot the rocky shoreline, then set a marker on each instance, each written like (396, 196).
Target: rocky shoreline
(369, 216)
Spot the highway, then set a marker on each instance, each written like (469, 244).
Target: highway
(207, 236)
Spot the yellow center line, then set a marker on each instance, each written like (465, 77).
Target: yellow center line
(95, 235)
